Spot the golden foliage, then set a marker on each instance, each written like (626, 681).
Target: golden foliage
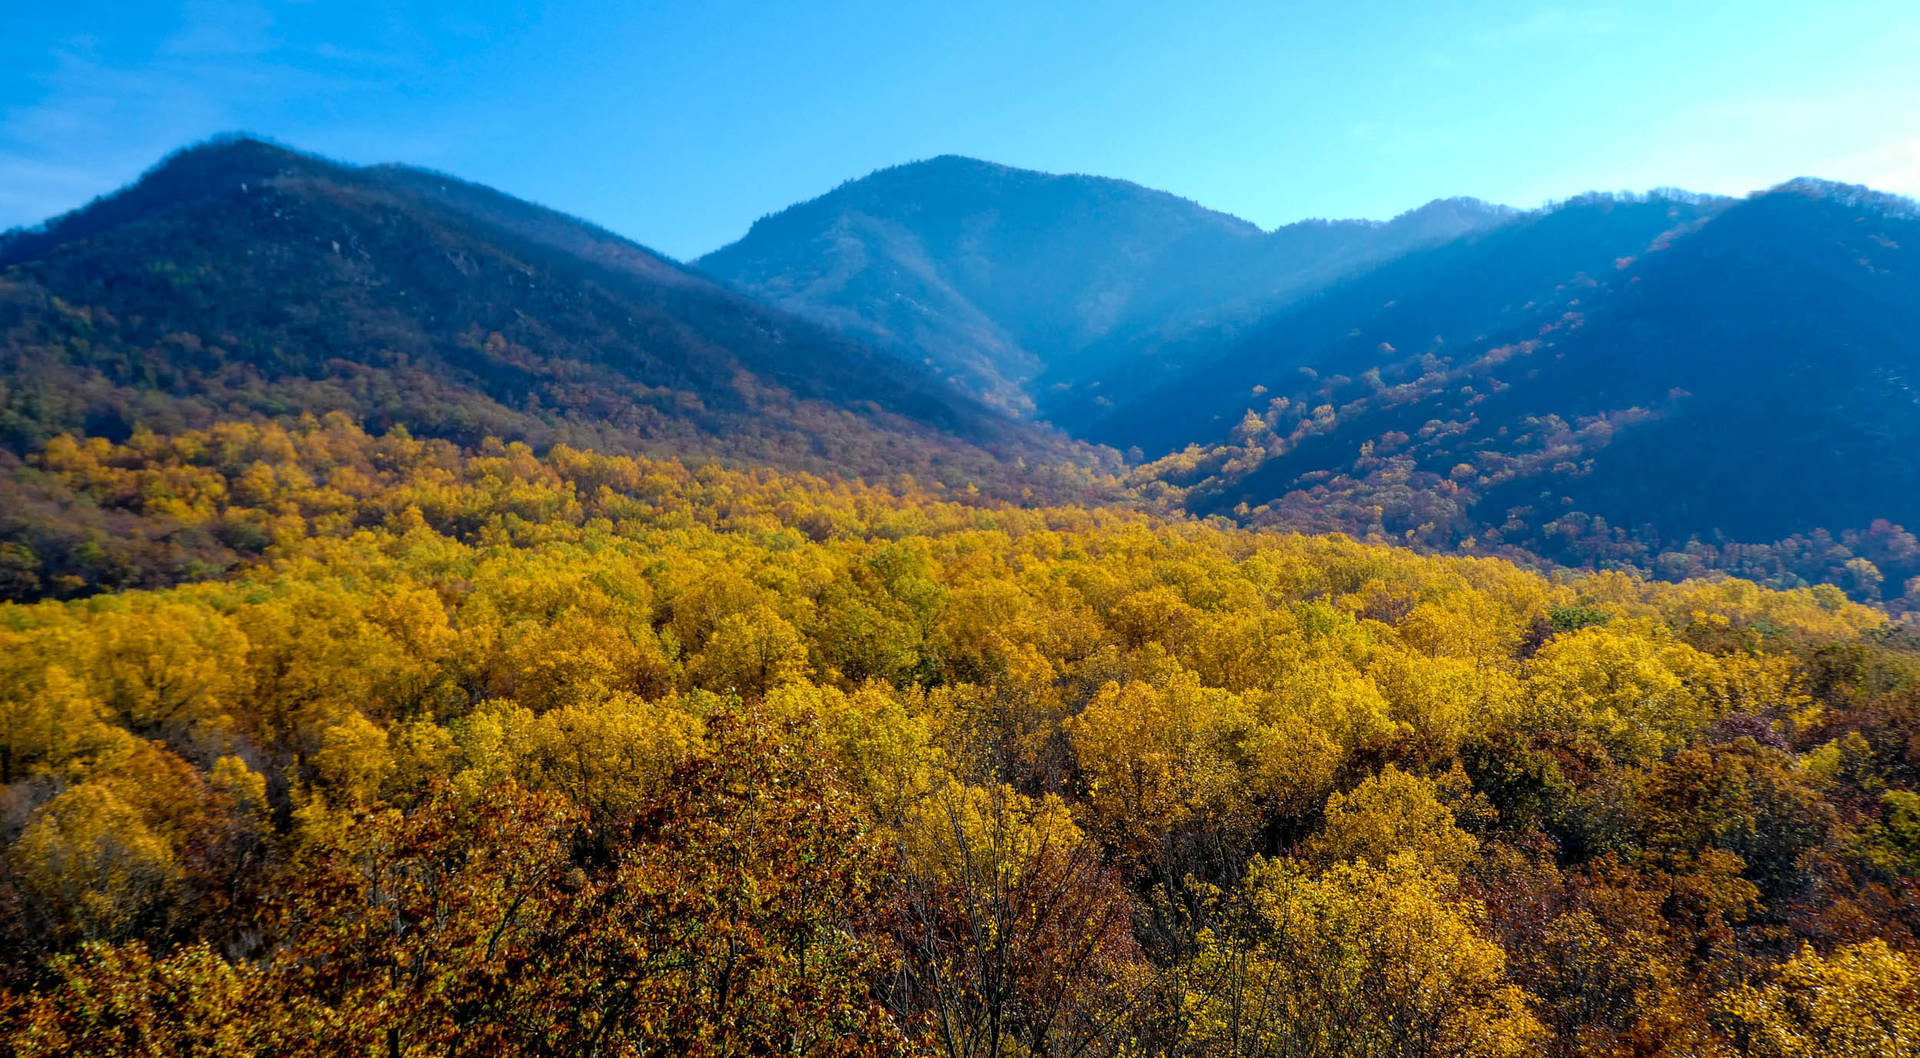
(1217, 790)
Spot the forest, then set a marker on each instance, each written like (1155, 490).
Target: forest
(478, 748)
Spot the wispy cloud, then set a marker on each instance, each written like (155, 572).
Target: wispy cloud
(1742, 145)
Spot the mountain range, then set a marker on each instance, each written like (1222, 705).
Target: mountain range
(1672, 381)
(239, 277)
(1015, 284)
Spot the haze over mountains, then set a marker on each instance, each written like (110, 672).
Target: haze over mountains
(1731, 355)
(1012, 281)
(1673, 381)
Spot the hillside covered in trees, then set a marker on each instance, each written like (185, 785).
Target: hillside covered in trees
(584, 753)
(1736, 394)
(240, 278)
(1673, 383)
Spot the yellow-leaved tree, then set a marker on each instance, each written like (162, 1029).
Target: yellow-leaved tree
(1361, 961)
(1863, 1001)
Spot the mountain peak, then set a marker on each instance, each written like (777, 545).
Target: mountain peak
(1851, 195)
(1448, 218)
(1000, 275)
(240, 150)
(400, 295)
(1459, 205)
(224, 164)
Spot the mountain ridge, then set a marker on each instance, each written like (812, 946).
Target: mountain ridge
(1000, 276)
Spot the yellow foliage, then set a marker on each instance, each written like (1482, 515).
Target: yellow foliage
(1361, 960)
(607, 756)
(1393, 815)
(1158, 757)
(984, 833)
(985, 683)
(577, 657)
(1637, 691)
(749, 654)
(1863, 1001)
(50, 724)
(93, 861)
(880, 747)
(353, 761)
(1440, 701)
(247, 788)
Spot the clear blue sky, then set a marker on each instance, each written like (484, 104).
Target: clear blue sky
(678, 124)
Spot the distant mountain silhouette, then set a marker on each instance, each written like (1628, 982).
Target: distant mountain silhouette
(1016, 284)
(239, 277)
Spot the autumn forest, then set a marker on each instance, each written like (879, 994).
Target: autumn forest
(440, 627)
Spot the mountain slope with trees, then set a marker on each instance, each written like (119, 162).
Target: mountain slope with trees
(241, 277)
(1701, 385)
(580, 753)
(369, 684)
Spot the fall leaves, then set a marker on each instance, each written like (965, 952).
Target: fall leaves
(499, 753)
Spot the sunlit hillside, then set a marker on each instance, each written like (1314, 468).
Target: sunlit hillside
(493, 751)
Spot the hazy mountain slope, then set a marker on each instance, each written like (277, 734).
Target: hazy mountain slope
(240, 277)
(1750, 371)
(998, 276)
(1208, 304)
(1436, 302)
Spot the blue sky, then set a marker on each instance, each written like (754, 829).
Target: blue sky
(678, 124)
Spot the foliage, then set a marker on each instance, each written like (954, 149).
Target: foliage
(1359, 960)
(1862, 1000)
(504, 752)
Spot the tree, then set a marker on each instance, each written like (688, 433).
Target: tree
(119, 1001)
(1156, 758)
(93, 863)
(749, 654)
(1016, 940)
(1863, 1000)
(728, 915)
(1391, 816)
(1359, 961)
(1626, 687)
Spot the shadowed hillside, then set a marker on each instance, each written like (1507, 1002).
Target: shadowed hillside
(1667, 382)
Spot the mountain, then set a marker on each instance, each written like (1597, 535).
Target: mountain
(1016, 284)
(1666, 381)
(1512, 279)
(1677, 382)
(243, 278)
